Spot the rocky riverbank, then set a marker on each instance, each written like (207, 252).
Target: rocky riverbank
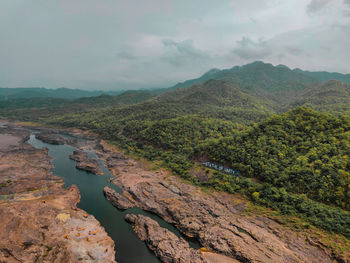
(85, 163)
(51, 138)
(40, 221)
(169, 247)
(215, 219)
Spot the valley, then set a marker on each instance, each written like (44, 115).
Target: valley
(40, 218)
(285, 134)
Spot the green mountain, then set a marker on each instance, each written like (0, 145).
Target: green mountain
(214, 98)
(324, 76)
(302, 150)
(296, 162)
(216, 93)
(332, 96)
(278, 83)
(62, 93)
(258, 77)
(34, 108)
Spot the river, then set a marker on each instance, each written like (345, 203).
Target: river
(129, 248)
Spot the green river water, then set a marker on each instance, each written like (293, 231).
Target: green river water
(129, 248)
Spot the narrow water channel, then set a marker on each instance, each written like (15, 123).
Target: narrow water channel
(129, 248)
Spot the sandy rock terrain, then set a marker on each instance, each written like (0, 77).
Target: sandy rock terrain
(215, 219)
(51, 138)
(40, 221)
(85, 163)
(118, 200)
(169, 247)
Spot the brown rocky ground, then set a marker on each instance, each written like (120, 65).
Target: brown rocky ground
(169, 247)
(39, 220)
(50, 138)
(85, 163)
(215, 219)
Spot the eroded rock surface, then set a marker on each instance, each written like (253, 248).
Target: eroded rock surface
(213, 219)
(40, 221)
(85, 163)
(165, 244)
(116, 199)
(51, 138)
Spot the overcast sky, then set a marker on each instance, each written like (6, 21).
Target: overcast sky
(132, 44)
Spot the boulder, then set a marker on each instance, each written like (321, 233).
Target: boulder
(116, 199)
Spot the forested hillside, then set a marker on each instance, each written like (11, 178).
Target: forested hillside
(278, 83)
(61, 93)
(213, 99)
(325, 76)
(291, 162)
(36, 108)
(332, 97)
(303, 151)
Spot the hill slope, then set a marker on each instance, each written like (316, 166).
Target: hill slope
(278, 83)
(332, 96)
(34, 108)
(61, 93)
(304, 151)
(325, 76)
(217, 99)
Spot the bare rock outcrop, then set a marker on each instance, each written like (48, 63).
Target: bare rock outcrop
(117, 200)
(215, 219)
(50, 138)
(85, 163)
(165, 244)
(40, 221)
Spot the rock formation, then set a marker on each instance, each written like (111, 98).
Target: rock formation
(165, 244)
(215, 219)
(40, 221)
(116, 199)
(51, 138)
(85, 163)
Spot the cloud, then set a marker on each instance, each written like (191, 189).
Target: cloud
(295, 51)
(126, 54)
(120, 44)
(316, 5)
(248, 49)
(346, 11)
(185, 47)
(182, 53)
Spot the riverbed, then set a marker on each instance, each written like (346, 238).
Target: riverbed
(129, 248)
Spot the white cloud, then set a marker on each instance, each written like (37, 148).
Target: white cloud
(249, 49)
(316, 5)
(133, 44)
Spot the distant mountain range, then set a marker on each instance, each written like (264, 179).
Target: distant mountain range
(242, 93)
(61, 93)
(261, 78)
(332, 96)
(264, 79)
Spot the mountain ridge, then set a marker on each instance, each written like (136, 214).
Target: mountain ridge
(266, 80)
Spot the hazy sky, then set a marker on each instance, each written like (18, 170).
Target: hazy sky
(115, 44)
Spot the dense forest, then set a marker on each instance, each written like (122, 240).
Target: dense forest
(286, 132)
(60, 93)
(296, 162)
(304, 151)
